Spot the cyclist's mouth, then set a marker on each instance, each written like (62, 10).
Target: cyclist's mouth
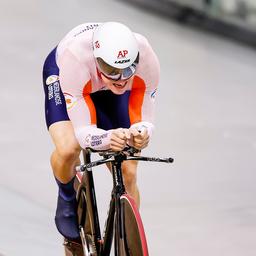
(120, 86)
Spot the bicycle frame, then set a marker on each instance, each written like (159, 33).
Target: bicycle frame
(91, 204)
(115, 214)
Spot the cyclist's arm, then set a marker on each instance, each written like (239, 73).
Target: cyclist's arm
(143, 92)
(76, 86)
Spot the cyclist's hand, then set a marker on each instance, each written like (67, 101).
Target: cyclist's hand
(118, 139)
(139, 139)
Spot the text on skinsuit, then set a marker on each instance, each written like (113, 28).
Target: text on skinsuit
(97, 139)
(54, 92)
(96, 143)
(56, 88)
(50, 92)
(88, 27)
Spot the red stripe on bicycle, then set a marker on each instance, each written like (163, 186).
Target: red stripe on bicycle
(79, 176)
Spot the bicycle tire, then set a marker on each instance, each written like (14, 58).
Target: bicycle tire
(84, 222)
(134, 242)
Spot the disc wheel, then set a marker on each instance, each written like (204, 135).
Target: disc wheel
(85, 226)
(134, 241)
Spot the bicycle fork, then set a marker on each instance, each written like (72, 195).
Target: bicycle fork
(119, 190)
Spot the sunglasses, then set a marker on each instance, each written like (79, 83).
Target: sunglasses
(116, 74)
(122, 74)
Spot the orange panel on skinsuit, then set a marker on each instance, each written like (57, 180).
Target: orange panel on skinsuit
(86, 94)
(136, 100)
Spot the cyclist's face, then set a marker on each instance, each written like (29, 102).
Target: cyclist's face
(117, 87)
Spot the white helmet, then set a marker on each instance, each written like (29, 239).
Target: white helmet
(115, 44)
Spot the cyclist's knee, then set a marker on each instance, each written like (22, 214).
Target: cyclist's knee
(130, 172)
(67, 146)
(68, 150)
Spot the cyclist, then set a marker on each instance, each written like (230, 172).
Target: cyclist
(100, 84)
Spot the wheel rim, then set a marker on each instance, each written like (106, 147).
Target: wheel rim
(135, 239)
(84, 223)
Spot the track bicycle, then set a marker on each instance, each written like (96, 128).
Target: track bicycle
(123, 223)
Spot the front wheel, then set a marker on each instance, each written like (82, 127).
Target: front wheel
(130, 238)
(84, 221)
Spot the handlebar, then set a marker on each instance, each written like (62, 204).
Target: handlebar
(108, 153)
(127, 154)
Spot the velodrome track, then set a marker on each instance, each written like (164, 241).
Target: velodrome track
(204, 203)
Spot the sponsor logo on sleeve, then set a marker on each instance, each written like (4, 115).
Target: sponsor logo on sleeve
(88, 140)
(54, 92)
(70, 100)
(97, 45)
(50, 92)
(97, 140)
(51, 79)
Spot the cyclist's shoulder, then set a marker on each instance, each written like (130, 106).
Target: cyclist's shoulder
(84, 28)
(148, 68)
(81, 30)
(78, 39)
(145, 49)
(141, 39)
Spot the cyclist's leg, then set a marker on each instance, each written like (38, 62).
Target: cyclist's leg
(66, 153)
(63, 160)
(130, 180)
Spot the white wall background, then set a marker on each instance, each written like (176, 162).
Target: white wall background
(203, 204)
